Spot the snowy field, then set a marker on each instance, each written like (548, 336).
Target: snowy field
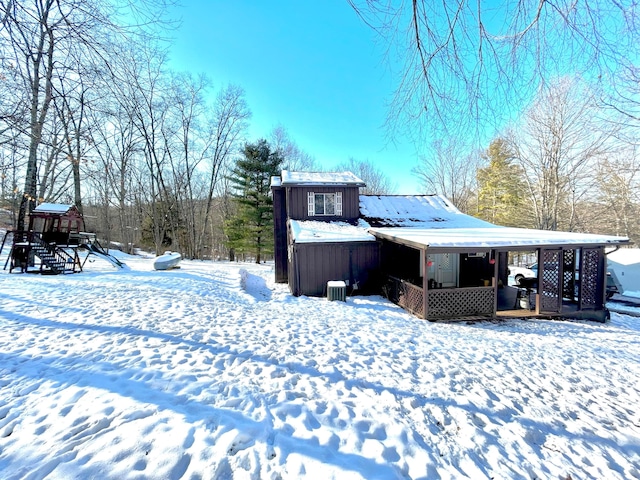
(208, 373)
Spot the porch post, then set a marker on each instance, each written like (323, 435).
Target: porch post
(539, 283)
(493, 254)
(425, 285)
(602, 278)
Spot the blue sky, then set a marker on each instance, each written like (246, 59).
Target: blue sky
(313, 67)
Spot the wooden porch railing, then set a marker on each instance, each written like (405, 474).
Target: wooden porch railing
(460, 302)
(442, 303)
(407, 295)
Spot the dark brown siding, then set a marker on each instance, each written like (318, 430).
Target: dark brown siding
(280, 234)
(400, 261)
(314, 264)
(473, 270)
(297, 203)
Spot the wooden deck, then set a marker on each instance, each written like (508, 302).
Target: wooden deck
(518, 313)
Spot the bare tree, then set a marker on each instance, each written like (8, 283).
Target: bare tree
(9, 168)
(114, 170)
(32, 32)
(618, 181)
(185, 151)
(377, 182)
(450, 171)
(54, 172)
(226, 129)
(39, 41)
(151, 110)
(295, 159)
(557, 144)
(466, 65)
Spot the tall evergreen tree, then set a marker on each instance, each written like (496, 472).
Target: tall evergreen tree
(501, 188)
(251, 229)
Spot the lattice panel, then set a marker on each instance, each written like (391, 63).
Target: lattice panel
(550, 298)
(460, 302)
(589, 279)
(445, 261)
(568, 274)
(405, 294)
(411, 298)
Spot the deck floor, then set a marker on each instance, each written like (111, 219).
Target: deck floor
(518, 313)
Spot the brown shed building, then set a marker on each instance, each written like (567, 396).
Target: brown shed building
(316, 234)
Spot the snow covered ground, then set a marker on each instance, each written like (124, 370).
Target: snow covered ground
(213, 372)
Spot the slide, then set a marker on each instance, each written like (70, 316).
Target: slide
(99, 252)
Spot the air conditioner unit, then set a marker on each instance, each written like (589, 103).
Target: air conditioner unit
(337, 290)
(477, 255)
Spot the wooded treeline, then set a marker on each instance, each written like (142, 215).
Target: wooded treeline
(563, 75)
(565, 164)
(91, 115)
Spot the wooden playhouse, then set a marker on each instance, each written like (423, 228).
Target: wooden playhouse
(56, 233)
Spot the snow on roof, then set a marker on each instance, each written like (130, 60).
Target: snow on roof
(52, 208)
(428, 211)
(320, 178)
(432, 220)
(276, 181)
(311, 231)
(491, 237)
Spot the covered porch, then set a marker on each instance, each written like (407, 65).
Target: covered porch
(444, 274)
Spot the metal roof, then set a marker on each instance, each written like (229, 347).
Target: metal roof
(433, 221)
(485, 238)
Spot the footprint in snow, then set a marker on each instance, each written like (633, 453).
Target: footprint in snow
(241, 442)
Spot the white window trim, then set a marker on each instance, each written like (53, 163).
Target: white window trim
(311, 205)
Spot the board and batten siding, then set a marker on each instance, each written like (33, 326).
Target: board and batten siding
(312, 265)
(280, 234)
(297, 203)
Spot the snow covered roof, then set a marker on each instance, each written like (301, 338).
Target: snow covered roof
(490, 237)
(432, 220)
(311, 231)
(320, 178)
(52, 208)
(276, 181)
(428, 211)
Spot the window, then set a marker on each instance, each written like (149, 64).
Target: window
(325, 204)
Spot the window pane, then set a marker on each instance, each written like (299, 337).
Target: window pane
(330, 204)
(319, 204)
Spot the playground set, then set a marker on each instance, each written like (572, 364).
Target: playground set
(55, 235)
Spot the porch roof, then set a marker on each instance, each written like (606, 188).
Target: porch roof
(433, 221)
(486, 238)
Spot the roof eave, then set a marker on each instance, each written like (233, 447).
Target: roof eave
(498, 246)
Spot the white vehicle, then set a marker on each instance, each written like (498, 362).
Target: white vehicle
(518, 273)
